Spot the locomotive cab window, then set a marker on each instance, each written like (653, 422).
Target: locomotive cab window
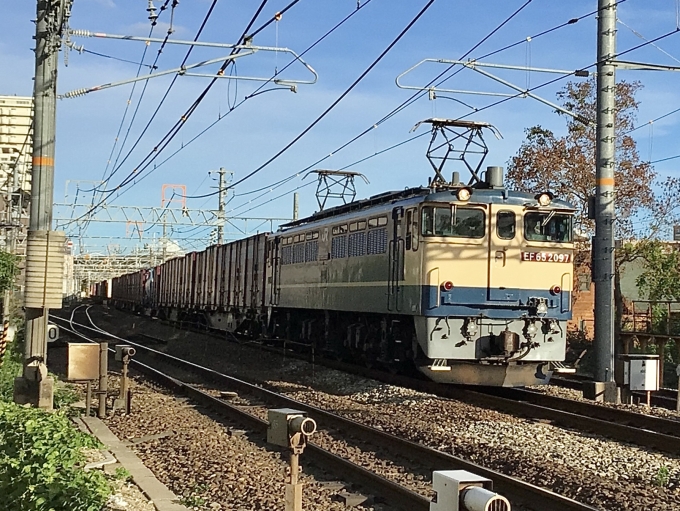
(453, 221)
(505, 225)
(552, 227)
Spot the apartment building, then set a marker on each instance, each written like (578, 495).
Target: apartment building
(16, 147)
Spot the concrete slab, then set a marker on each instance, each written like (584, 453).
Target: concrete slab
(352, 499)
(162, 498)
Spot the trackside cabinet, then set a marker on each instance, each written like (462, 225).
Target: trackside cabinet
(639, 371)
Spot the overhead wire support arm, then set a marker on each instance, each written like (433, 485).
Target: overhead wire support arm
(178, 70)
(476, 65)
(641, 66)
(248, 48)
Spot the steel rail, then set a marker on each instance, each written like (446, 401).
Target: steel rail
(605, 413)
(663, 398)
(399, 496)
(620, 425)
(512, 488)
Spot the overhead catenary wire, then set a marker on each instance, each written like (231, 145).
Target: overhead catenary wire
(414, 96)
(274, 186)
(153, 154)
(221, 117)
(340, 98)
(521, 41)
(85, 50)
(344, 94)
(167, 92)
(519, 94)
(152, 67)
(403, 105)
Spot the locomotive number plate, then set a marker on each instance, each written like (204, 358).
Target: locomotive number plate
(546, 257)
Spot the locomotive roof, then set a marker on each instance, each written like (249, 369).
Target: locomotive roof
(423, 194)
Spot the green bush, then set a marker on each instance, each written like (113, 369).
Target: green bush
(11, 367)
(41, 463)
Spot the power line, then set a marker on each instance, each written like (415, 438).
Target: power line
(84, 50)
(210, 126)
(665, 159)
(167, 92)
(406, 103)
(151, 156)
(403, 105)
(519, 94)
(342, 96)
(127, 181)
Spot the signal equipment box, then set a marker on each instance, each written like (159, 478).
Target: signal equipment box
(641, 372)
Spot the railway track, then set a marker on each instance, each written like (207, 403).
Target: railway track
(527, 495)
(621, 425)
(663, 398)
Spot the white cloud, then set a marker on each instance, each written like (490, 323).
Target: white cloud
(142, 28)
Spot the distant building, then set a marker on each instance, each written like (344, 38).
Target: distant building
(16, 141)
(16, 148)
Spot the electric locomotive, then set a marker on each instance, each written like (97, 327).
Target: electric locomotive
(470, 283)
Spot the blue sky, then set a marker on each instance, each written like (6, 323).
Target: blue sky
(252, 133)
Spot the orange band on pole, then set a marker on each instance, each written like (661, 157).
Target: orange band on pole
(606, 181)
(43, 160)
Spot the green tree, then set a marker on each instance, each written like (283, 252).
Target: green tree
(660, 278)
(8, 270)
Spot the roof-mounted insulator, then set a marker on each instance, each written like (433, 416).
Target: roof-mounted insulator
(153, 15)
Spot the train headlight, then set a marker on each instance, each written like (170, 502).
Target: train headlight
(464, 194)
(532, 329)
(555, 290)
(447, 286)
(470, 327)
(542, 307)
(544, 198)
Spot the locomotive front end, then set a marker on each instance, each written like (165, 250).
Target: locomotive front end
(497, 270)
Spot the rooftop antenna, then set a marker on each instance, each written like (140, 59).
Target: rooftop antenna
(335, 184)
(457, 140)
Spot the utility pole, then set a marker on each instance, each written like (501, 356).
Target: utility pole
(603, 242)
(222, 195)
(35, 386)
(165, 237)
(222, 198)
(14, 223)
(296, 205)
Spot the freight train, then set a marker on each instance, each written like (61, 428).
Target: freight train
(469, 284)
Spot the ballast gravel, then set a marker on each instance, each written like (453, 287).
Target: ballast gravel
(601, 472)
(208, 464)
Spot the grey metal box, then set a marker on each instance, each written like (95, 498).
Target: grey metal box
(277, 432)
